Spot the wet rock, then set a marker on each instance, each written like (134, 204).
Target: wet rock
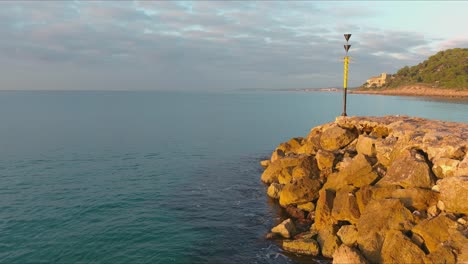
(408, 170)
(397, 248)
(302, 246)
(335, 137)
(286, 229)
(454, 194)
(274, 190)
(272, 235)
(348, 234)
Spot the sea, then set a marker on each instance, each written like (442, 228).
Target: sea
(158, 177)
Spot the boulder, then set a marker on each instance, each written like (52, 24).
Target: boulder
(308, 207)
(345, 207)
(335, 137)
(440, 230)
(442, 254)
(413, 198)
(462, 169)
(300, 191)
(295, 212)
(328, 241)
(277, 167)
(445, 167)
(265, 163)
(277, 154)
(384, 149)
(323, 209)
(348, 235)
(378, 217)
(325, 160)
(454, 194)
(366, 145)
(397, 248)
(307, 168)
(348, 255)
(286, 228)
(274, 190)
(409, 169)
(302, 246)
(356, 172)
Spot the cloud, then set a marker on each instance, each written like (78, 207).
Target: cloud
(195, 45)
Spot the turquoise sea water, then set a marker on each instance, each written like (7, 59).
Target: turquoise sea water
(156, 177)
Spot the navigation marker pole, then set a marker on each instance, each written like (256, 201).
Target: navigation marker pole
(345, 73)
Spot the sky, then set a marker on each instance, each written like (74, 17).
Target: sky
(217, 45)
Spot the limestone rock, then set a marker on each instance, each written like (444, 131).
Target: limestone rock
(300, 191)
(274, 190)
(440, 230)
(454, 194)
(442, 254)
(384, 149)
(366, 145)
(378, 217)
(277, 154)
(276, 167)
(295, 212)
(335, 137)
(328, 241)
(345, 207)
(286, 229)
(302, 246)
(445, 167)
(265, 163)
(348, 235)
(397, 248)
(309, 207)
(325, 160)
(414, 198)
(348, 255)
(357, 172)
(323, 211)
(409, 169)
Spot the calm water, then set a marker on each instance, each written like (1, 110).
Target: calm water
(153, 177)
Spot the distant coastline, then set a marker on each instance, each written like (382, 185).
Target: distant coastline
(417, 90)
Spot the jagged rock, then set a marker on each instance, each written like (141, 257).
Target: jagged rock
(414, 198)
(378, 217)
(323, 211)
(462, 169)
(409, 169)
(348, 255)
(366, 145)
(357, 172)
(454, 194)
(445, 167)
(345, 207)
(276, 167)
(265, 163)
(286, 229)
(348, 234)
(440, 230)
(300, 191)
(433, 211)
(277, 154)
(440, 205)
(397, 248)
(308, 207)
(442, 254)
(335, 137)
(302, 246)
(272, 235)
(307, 168)
(274, 190)
(328, 241)
(295, 212)
(325, 160)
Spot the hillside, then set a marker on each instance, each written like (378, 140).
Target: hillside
(445, 70)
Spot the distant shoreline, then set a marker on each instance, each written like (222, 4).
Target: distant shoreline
(417, 90)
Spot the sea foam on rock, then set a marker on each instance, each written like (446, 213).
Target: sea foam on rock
(390, 189)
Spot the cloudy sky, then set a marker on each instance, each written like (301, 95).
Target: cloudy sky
(216, 45)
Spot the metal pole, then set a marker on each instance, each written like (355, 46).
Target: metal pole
(345, 73)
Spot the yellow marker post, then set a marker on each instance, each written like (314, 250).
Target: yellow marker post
(345, 73)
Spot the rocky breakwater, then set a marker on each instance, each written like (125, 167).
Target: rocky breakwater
(390, 189)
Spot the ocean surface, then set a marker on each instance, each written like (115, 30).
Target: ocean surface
(157, 177)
